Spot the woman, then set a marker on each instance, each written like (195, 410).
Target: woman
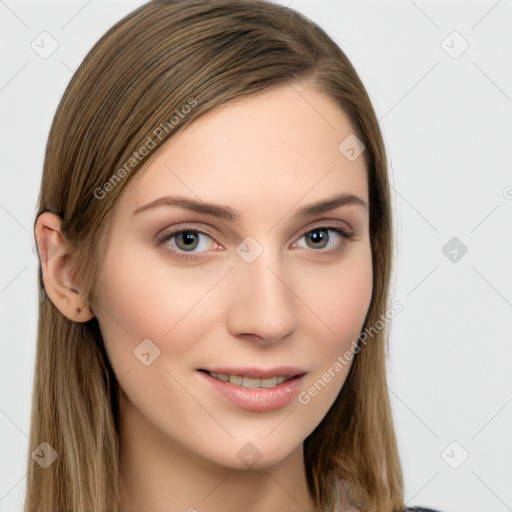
(214, 230)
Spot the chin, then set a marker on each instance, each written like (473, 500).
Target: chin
(253, 455)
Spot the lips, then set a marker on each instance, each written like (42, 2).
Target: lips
(257, 399)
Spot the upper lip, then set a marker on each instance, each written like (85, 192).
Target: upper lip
(257, 373)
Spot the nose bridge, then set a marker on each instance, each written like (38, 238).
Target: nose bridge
(262, 303)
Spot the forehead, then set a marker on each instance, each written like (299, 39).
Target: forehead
(274, 147)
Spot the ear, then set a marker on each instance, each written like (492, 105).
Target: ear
(60, 286)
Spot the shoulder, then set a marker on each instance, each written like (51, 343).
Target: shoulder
(345, 501)
(419, 509)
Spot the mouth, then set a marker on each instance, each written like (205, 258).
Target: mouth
(249, 380)
(255, 389)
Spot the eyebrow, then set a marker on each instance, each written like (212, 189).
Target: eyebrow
(228, 213)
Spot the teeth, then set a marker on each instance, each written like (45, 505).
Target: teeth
(235, 379)
(270, 383)
(249, 383)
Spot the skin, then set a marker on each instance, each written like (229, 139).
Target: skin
(301, 304)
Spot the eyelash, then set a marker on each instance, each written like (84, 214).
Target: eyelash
(163, 239)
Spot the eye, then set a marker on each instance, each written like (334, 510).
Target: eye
(186, 241)
(191, 243)
(189, 240)
(325, 237)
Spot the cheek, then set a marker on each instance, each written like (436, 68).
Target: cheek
(145, 300)
(141, 301)
(339, 295)
(351, 299)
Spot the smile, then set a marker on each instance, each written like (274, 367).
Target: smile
(250, 383)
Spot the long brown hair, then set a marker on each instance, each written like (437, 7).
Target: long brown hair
(131, 88)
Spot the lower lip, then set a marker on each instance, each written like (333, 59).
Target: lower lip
(259, 399)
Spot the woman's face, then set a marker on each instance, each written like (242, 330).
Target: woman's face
(252, 287)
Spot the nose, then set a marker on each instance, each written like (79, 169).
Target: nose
(261, 303)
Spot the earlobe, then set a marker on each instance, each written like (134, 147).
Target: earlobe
(60, 286)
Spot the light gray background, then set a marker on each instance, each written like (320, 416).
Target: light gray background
(446, 120)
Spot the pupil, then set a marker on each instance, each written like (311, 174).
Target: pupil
(188, 238)
(318, 236)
